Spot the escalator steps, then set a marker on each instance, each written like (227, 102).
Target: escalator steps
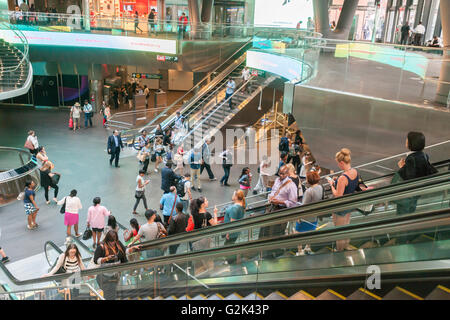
(301, 295)
(276, 296)
(199, 297)
(254, 296)
(422, 238)
(439, 293)
(233, 296)
(401, 294)
(185, 297)
(363, 294)
(216, 296)
(330, 295)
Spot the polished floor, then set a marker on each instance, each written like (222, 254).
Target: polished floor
(82, 160)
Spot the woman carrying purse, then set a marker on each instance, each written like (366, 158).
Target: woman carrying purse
(48, 179)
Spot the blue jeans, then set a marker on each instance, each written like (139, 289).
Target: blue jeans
(228, 95)
(226, 170)
(87, 116)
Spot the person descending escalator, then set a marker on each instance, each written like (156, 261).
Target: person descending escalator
(416, 165)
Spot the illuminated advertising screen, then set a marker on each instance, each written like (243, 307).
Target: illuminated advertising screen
(288, 68)
(93, 41)
(283, 13)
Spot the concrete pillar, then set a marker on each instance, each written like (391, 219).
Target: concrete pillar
(249, 16)
(443, 89)
(207, 6)
(344, 23)
(426, 15)
(161, 9)
(95, 76)
(194, 16)
(419, 11)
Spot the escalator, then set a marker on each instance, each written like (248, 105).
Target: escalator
(419, 253)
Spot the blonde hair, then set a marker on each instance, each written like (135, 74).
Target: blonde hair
(344, 156)
(240, 196)
(290, 167)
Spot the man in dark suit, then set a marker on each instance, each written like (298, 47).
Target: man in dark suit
(168, 177)
(114, 146)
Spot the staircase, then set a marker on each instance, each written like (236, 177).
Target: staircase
(16, 73)
(216, 111)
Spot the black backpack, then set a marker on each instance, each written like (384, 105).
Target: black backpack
(180, 187)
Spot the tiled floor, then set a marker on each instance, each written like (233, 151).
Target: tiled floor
(82, 160)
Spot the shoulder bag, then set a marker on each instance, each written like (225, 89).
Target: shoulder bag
(161, 233)
(63, 207)
(29, 145)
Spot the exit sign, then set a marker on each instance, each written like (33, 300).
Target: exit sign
(167, 58)
(146, 76)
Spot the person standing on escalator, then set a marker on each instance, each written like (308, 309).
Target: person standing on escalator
(416, 165)
(347, 183)
(231, 85)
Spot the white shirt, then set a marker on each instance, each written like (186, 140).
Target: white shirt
(187, 186)
(73, 204)
(142, 183)
(264, 170)
(246, 74)
(420, 29)
(87, 108)
(34, 141)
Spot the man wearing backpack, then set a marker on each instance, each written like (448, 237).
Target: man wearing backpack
(184, 191)
(206, 158)
(284, 144)
(168, 177)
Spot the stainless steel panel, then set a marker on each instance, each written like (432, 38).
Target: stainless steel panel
(371, 128)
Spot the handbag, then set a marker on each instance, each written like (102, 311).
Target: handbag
(61, 269)
(63, 207)
(28, 145)
(139, 194)
(55, 178)
(153, 157)
(87, 234)
(70, 123)
(161, 232)
(21, 196)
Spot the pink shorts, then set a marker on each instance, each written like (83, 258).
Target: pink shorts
(70, 219)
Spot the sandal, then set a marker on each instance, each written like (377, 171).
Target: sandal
(78, 235)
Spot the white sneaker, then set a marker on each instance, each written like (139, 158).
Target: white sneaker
(156, 170)
(308, 250)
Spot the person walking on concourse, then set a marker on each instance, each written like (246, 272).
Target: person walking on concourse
(114, 146)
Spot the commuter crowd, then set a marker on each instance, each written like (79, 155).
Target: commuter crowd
(297, 183)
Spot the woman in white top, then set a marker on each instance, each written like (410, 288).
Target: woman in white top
(73, 205)
(34, 141)
(263, 176)
(245, 77)
(75, 113)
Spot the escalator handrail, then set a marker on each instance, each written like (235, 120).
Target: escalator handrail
(196, 97)
(398, 223)
(387, 158)
(310, 210)
(317, 209)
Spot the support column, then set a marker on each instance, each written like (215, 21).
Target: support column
(86, 16)
(194, 16)
(443, 89)
(207, 10)
(419, 11)
(344, 23)
(161, 9)
(95, 86)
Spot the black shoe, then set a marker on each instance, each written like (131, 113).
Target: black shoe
(254, 192)
(226, 185)
(199, 190)
(117, 166)
(193, 188)
(5, 260)
(110, 163)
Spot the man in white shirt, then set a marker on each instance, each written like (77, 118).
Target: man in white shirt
(419, 32)
(231, 85)
(87, 109)
(245, 77)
